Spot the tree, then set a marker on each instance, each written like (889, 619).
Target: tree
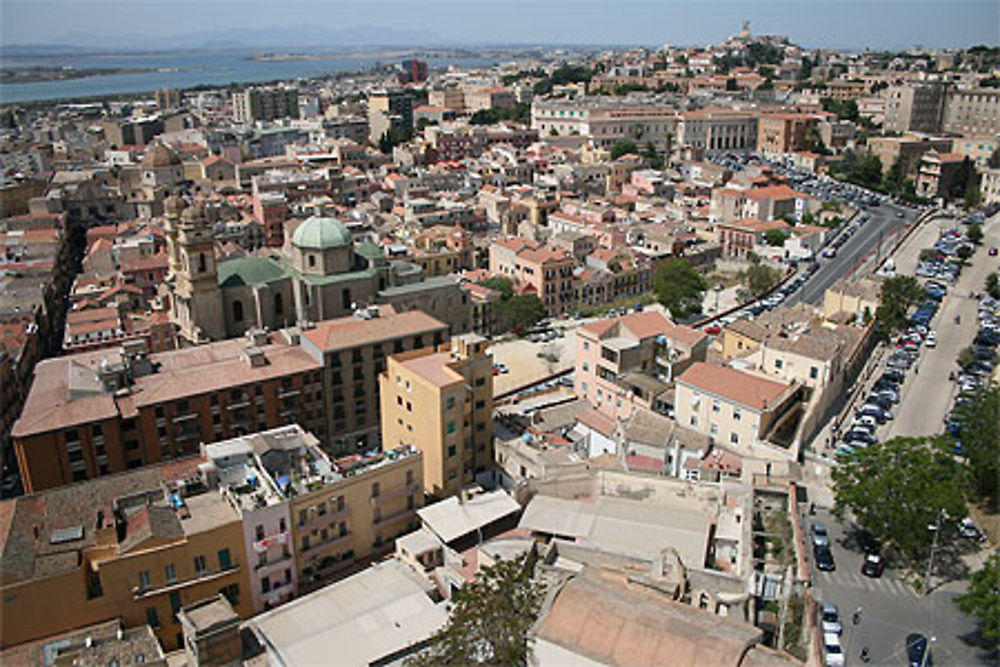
(650, 154)
(974, 233)
(993, 285)
(964, 252)
(896, 488)
(979, 419)
(966, 357)
(760, 279)
(499, 284)
(897, 295)
(521, 312)
(490, 619)
(623, 147)
(775, 237)
(982, 599)
(680, 288)
(731, 84)
(994, 160)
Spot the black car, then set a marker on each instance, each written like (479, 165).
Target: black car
(867, 542)
(917, 651)
(824, 558)
(893, 376)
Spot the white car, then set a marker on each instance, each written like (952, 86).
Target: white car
(931, 340)
(831, 619)
(833, 650)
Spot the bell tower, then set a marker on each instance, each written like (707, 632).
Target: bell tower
(198, 309)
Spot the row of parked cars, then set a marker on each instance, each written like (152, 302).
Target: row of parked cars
(975, 372)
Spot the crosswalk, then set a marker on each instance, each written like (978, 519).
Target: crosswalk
(847, 579)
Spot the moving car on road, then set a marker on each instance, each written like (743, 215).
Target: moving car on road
(917, 650)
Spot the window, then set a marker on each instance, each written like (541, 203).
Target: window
(144, 581)
(259, 533)
(586, 367)
(813, 373)
(737, 415)
(449, 403)
(713, 428)
(451, 427)
(199, 565)
(734, 438)
(151, 617)
(225, 560)
(279, 305)
(201, 262)
(694, 420)
(452, 450)
(778, 363)
(175, 602)
(312, 261)
(716, 406)
(265, 585)
(586, 346)
(237, 311)
(170, 573)
(375, 490)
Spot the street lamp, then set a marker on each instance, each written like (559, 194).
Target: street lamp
(930, 561)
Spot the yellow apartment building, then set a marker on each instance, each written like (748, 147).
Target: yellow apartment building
(137, 546)
(441, 402)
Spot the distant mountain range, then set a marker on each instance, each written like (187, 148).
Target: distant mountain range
(299, 38)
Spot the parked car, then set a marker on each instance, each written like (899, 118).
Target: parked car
(873, 566)
(824, 558)
(931, 340)
(819, 535)
(833, 651)
(713, 329)
(830, 619)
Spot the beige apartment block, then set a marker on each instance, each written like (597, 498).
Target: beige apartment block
(441, 402)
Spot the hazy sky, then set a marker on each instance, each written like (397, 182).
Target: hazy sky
(812, 23)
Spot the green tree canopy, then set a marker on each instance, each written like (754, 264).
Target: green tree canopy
(500, 284)
(974, 233)
(980, 434)
(760, 279)
(896, 488)
(898, 294)
(680, 288)
(776, 237)
(521, 312)
(623, 147)
(993, 285)
(982, 599)
(490, 619)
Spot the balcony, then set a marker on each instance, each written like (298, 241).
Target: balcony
(399, 491)
(262, 569)
(288, 393)
(184, 418)
(317, 520)
(260, 546)
(278, 592)
(331, 544)
(200, 578)
(396, 516)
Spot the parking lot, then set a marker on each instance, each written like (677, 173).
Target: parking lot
(523, 364)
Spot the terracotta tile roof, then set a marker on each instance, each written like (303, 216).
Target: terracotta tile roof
(749, 390)
(91, 315)
(145, 263)
(348, 332)
(598, 421)
(774, 192)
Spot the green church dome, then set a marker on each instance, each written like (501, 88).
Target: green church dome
(319, 233)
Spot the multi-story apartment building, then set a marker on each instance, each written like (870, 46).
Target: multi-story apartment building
(489, 97)
(640, 344)
(307, 516)
(352, 351)
(102, 412)
(450, 97)
(973, 111)
(781, 133)
(989, 185)
(266, 104)
(441, 402)
(270, 209)
(454, 142)
(718, 129)
(136, 546)
(735, 408)
(915, 107)
(607, 120)
(547, 271)
(907, 149)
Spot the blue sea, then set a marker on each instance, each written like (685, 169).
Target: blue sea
(185, 70)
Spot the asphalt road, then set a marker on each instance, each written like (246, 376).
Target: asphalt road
(891, 610)
(883, 220)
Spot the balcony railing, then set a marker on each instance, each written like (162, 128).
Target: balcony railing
(272, 564)
(199, 578)
(318, 520)
(397, 492)
(262, 545)
(395, 516)
(334, 542)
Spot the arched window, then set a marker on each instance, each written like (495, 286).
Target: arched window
(312, 261)
(237, 311)
(201, 262)
(279, 306)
